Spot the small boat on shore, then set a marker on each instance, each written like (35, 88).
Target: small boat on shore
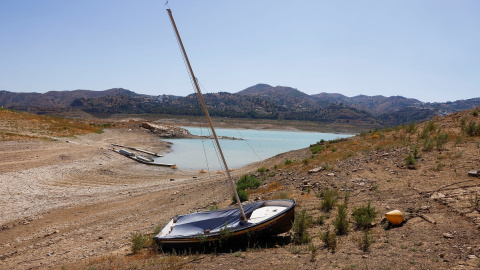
(257, 219)
(141, 159)
(263, 219)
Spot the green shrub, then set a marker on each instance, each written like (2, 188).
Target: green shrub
(157, 230)
(248, 182)
(471, 129)
(475, 113)
(366, 240)
(340, 222)
(364, 215)
(288, 161)
(320, 220)
(213, 207)
(261, 169)
(415, 152)
(329, 240)
(302, 222)
(138, 240)
(242, 194)
(316, 149)
(329, 199)
(412, 128)
(441, 140)
(428, 129)
(410, 160)
(428, 144)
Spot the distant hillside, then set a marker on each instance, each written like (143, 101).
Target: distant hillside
(55, 98)
(260, 101)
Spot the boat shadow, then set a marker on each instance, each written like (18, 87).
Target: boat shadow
(229, 245)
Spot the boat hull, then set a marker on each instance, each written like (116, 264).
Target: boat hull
(277, 224)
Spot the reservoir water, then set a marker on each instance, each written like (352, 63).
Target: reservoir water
(196, 154)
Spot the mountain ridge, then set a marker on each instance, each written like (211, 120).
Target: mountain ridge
(258, 101)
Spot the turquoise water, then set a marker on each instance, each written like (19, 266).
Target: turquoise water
(189, 154)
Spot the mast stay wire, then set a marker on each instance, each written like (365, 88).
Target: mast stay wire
(241, 135)
(197, 96)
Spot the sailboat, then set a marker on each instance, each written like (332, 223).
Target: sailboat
(258, 219)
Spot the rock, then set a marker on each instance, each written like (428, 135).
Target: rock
(472, 257)
(168, 131)
(474, 173)
(330, 174)
(448, 235)
(315, 170)
(437, 196)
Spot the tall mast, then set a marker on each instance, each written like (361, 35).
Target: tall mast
(194, 79)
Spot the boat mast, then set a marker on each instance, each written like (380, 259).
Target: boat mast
(194, 79)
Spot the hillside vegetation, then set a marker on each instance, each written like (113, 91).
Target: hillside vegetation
(15, 125)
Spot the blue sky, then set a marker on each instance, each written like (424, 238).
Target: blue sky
(429, 50)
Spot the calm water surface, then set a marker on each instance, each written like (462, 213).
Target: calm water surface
(196, 154)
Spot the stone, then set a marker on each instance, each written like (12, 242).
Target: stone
(448, 235)
(474, 173)
(330, 174)
(315, 170)
(437, 195)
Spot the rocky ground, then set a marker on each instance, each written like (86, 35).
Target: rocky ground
(75, 204)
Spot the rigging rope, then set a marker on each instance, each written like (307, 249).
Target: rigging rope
(241, 135)
(196, 95)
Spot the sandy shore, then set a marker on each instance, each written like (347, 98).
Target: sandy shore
(74, 199)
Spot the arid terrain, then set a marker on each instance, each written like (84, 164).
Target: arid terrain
(71, 203)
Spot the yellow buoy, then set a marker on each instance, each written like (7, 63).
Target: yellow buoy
(395, 217)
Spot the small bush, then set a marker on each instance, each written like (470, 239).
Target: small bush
(302, 222)
(261, 169)
(329, 240)
(428, 129)
(341, 223)
(248, 182)
(313, 250)
(242, 194)
(471, 129)
(315, 149)
(412, 128)
(138, 240)
(364, 215)
(288, 161)
(415, 152)
(320, 220)
(366, 240)
(213, 207)
(428, 144)
(475, 202)
(475, 113)
(157, 230)
(329, 199)
(441, 140)
(375, 136)
(410, 160)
